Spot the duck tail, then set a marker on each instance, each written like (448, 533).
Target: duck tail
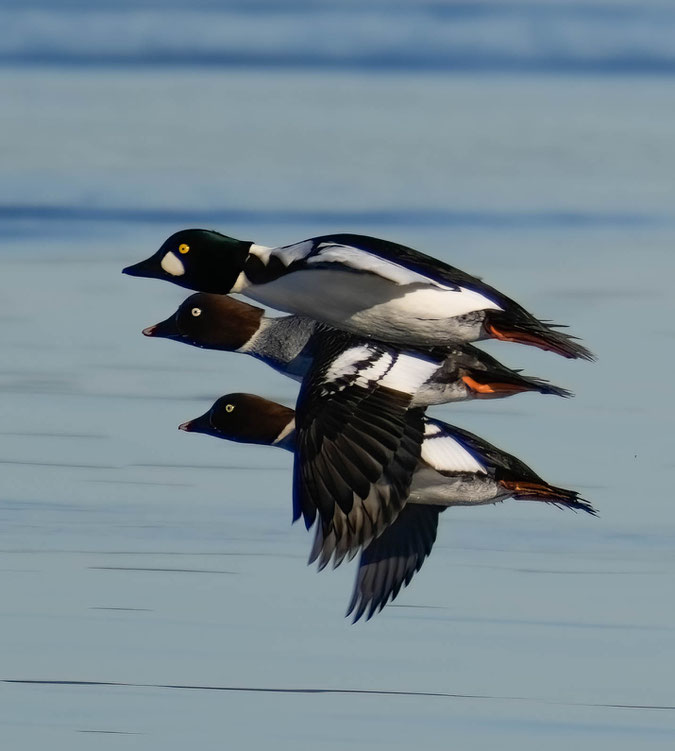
(526, 490)
(526, 330)
(544, 387)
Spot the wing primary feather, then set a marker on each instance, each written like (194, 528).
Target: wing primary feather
(389, 562)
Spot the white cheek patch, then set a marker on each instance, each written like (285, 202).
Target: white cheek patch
(172, 265)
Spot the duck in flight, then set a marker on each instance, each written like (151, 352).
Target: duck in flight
(454, 468)
(370, 287)
(288, 345)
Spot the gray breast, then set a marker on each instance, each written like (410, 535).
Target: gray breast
(284, 344)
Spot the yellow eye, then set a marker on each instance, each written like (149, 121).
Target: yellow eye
(196, 312)
(183, 248)
(229, 407)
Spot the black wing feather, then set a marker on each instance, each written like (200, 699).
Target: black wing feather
(358, 444)
(391, 560)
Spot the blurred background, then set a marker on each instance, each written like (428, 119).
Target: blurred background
(529, 143)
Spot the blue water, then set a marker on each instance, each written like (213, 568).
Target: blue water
(154, 592)
(542, 37)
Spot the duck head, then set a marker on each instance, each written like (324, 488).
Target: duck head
(199, 259)
(211, 322)
(245, 418)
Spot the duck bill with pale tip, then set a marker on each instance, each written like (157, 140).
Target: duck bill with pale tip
(164, 330)
(200, 424)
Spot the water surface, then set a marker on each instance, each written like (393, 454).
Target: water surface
(154, 591)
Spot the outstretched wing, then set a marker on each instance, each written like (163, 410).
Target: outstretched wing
(358, 442)
(392, 559)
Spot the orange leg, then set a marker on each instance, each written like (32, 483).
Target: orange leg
(521, 337)
(488, 390)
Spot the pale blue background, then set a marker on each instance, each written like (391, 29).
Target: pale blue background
(529, 143)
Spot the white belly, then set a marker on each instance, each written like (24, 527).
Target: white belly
(371, 306)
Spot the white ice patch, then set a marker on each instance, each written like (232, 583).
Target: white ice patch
(444, 453)
(408, 373)
(172, 265)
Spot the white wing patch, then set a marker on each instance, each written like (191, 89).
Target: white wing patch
(395, 371)
(376, 369)
(439, 300)
(345, 363)
(359, 259)
(286, 254)
(172, 265)
(408, 373)
(442, 452)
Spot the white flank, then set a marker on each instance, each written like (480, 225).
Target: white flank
(408, 373)
(432, 303)
(444, 453)
(345, 364)
(172, 265)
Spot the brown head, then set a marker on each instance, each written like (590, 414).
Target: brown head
(211, 322)
(244, 418)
